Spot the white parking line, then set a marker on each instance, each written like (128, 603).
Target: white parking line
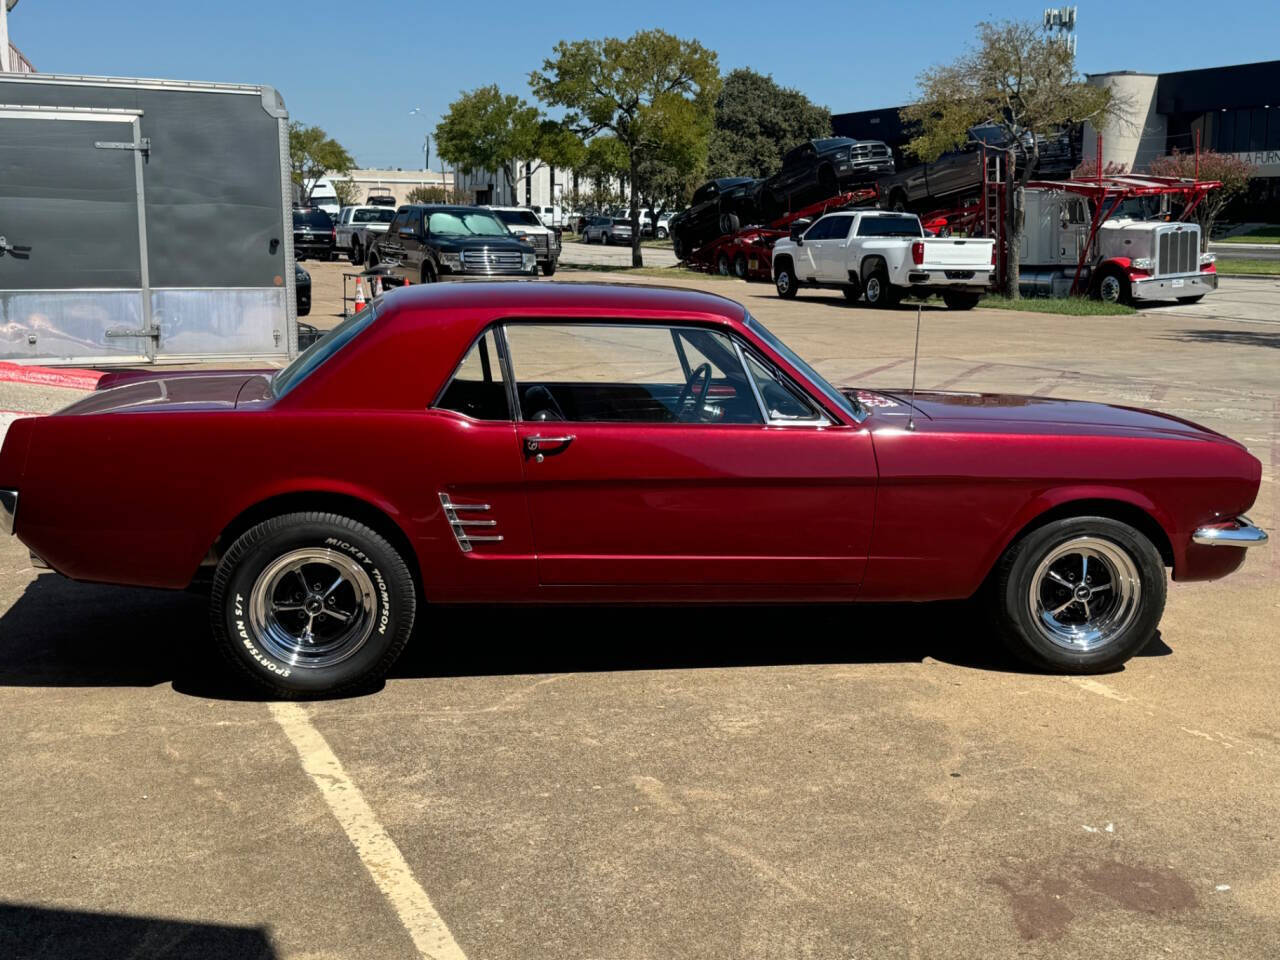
(377, 851)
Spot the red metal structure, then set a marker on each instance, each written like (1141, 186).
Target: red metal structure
(748, 253)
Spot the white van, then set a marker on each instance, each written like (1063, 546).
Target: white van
(326, 198)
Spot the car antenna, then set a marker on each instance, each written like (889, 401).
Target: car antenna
(915, 359)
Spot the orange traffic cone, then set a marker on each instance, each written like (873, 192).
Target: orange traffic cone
(360, 302)
(375, 286)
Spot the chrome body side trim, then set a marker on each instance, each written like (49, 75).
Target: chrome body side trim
(8, 509)
(459, 525)
(1243, 534)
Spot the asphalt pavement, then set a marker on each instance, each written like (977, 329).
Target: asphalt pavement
(786, 782)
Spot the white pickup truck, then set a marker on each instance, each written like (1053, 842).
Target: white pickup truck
(358, 227)
(883, 256)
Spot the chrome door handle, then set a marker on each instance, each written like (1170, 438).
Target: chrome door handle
(537, 447)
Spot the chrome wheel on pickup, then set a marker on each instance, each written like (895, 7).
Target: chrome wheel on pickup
(1079, 595)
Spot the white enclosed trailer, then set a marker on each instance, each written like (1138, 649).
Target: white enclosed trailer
(144, 221)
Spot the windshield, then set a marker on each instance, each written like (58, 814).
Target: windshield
(519, 217)
(311, 218)
(320, 351)
(378, 215)
(461, 223)
(834, 396)
(906, 226)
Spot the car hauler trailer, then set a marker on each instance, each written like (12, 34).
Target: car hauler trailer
(144, 221)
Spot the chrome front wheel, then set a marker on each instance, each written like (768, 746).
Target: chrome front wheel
(1085, 593)
(312, 607)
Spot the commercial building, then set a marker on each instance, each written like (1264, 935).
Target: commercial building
(1235, 110)
(398, 183)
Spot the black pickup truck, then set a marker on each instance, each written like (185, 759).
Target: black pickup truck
(313, 234)
(430, 242)
(818, 169)
(959, 172)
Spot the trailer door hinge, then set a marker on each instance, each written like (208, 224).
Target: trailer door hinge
(143, 145)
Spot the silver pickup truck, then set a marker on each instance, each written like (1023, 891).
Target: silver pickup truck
(882, 256)
(356, 227)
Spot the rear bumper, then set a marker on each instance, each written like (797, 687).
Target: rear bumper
(1235, 533)
(8, 510)
(953, 279)
(1169, 288)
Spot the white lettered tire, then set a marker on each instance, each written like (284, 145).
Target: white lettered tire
(311, 604)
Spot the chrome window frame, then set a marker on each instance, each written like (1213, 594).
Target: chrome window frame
(821, 420)
(500, 345)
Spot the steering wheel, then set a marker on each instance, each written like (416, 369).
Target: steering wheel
(540, 398)
(703, 371)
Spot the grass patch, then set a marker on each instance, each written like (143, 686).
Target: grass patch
(1066, 306)
(1260, 235)
(1261, 268)
(665, 272)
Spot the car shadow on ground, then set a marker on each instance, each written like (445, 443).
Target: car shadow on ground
(1244, 338)
(65, 634)
(30, 931)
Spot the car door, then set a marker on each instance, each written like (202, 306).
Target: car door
(809, 262)
(834, 248)
(650, 464)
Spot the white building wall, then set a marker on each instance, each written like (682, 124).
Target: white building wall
(530, 189)
(1139, 134)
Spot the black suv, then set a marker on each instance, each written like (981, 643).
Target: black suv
(313, 234)
(718, 207)
(430, 242)
(819, 169)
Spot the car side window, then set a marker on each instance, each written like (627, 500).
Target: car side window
(397, 223)
(839, 229)
(477, 388)
(783, 402)
(628, 373)
(820, 230)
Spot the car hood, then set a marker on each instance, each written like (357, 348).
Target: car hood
(180, 390)
(1014, 413)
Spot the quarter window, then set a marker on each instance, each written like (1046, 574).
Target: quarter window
(783, 403)
(477, 389)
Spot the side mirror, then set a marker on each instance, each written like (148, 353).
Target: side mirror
(798, 228)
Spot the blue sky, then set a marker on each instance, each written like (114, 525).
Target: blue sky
(358, 68)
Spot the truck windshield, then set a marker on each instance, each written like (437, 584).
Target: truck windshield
(519, 217)
(466, 224)
(309, 359)
(833, 396)
(312, 218)
(890, 227)
(375, 215)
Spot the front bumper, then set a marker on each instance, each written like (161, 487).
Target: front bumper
(1169, 288)
(8, 509)
(1234, 533)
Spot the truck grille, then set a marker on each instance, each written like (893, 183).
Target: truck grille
(871, 150)
(487, 261)
(539, 241)
(1179, 251)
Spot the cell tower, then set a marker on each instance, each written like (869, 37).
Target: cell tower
(1061, 23)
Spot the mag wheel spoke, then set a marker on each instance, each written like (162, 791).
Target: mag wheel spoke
(1084, 593)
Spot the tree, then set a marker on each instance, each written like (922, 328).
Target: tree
(1231, 170)
(423, 194)
(1020, 79)
(312, 154)
(347, 191)
(654, 92)
(757, 121)
(604, 164)
(486, 129)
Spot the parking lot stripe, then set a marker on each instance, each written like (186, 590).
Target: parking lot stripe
(377, 851)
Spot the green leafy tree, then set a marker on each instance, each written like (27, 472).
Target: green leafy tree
(654, 92)
(422, 194)
(347, 191)
(757, 121)
(1231, 170)
(1020, 79)
(604, 165)
(312, 154)
(486, 129)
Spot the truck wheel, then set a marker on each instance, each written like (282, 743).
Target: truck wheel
(785, 281)
(961, 301)
(740, 267)
(878, 290)
(1080, 595)
(429, 273)
(356, 253)
(722, 265)
(729, 223)
(308, 604)
(661, 233)
(1113, 287)
(549, 268)
(680, 247)
(371, 263)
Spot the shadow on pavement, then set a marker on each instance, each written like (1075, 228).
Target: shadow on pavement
(28, 933)
(1244, 338)
(65, 634)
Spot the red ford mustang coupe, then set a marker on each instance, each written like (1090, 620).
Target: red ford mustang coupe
(519, 442)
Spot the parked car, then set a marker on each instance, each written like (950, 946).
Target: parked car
(302, 290)
(607, 230)
(313, 234)
(823, 168)
(958, 173)
(662, 228)
(356, 227)
(882, 256)
(375, 199)
(497, 425)
(430, 242)
(525, 224)
(718, 207)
